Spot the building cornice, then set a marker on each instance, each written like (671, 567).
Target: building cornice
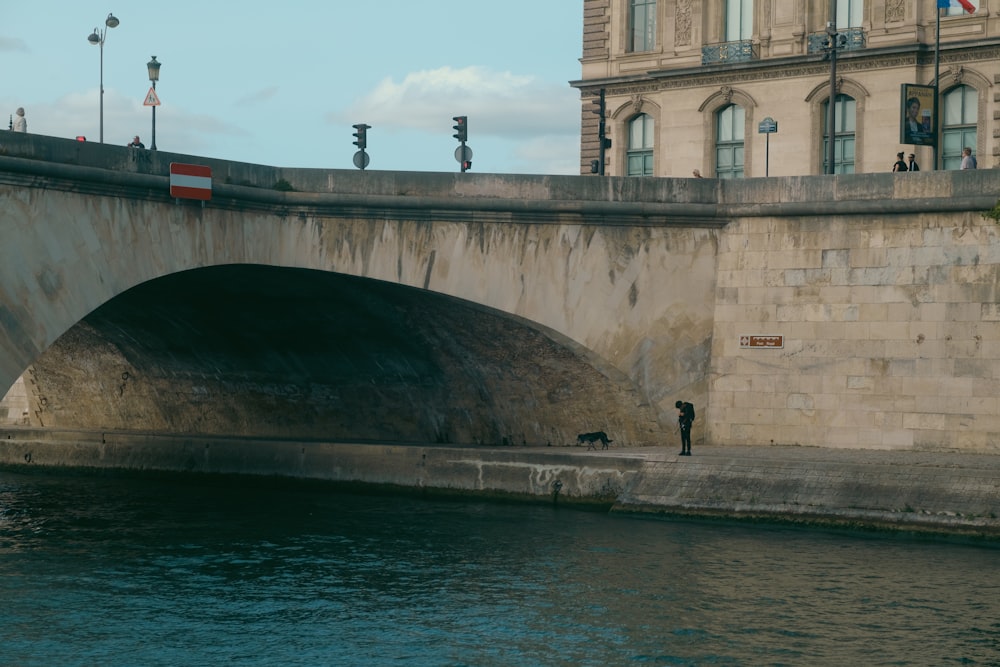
(912, 55)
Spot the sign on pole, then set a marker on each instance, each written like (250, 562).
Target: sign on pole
(767, 127)
(190, 181)
(151, 99)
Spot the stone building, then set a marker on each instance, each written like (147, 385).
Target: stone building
(691, 85)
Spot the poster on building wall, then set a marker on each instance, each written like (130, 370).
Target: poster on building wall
(918, 125)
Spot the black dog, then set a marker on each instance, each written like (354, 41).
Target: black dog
(593, 438)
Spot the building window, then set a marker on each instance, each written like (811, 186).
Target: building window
(739, 20)
(849, 13)
(729, 133)
(958, 11)
(642, 25)
(640, 146)
(843, 136)
(737, 45)
(960, 114)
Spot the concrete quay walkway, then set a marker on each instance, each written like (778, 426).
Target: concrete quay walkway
(943, 492)
(947, 493)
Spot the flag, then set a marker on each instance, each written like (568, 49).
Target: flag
(964, 4)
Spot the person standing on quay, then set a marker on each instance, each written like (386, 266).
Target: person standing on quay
(912, 164)
(685, 417)
(19, 124)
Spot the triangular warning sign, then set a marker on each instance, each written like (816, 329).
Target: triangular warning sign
(151, 99)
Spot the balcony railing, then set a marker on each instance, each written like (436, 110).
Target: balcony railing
(854, 39)
(729, 52)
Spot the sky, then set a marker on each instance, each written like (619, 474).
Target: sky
(282, 83)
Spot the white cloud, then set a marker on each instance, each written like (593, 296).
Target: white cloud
(549, 155)
(13, 44)
(257, 96)
(124, 116)
(498, 104)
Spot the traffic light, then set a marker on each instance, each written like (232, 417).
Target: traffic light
(603, 143)
(600, 110)
(461, 127)
(466, 166)
(362, 135)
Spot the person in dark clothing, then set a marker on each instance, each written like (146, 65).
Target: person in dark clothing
(685, 417)
(899, 164)
(912, 163)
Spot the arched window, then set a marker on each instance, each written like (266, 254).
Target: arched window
(642, 25)
(729, 137)
(640, 146)
(843, 135)
(960, 114)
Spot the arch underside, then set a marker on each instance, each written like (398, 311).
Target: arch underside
(255, 351)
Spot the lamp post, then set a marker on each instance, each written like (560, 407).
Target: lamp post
(831, 111)
(154, 76)
(98, 39)
(834, 41)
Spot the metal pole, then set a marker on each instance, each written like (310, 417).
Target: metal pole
(831, 116)
(103, 32)
(601, 135)
(767, 154)
(153, 147)
(98, 38)
(937, 89)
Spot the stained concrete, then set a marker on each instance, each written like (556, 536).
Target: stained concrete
(946, 493)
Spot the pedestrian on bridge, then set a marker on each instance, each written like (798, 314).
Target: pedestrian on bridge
(968, 159)
(19, 124)
(136, 143)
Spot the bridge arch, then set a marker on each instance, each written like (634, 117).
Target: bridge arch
(527, 328)
(259, 351)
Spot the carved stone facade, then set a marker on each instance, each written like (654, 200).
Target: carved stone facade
(781, 70)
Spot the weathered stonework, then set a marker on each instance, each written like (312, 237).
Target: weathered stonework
(890, 339)
(525, 319)
(490, 308)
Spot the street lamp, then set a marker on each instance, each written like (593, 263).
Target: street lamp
(833, 41)
(98, 39)
(154, 76)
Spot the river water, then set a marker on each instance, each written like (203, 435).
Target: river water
(136, 570)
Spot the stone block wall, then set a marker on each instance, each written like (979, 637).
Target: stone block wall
(14, 404)
(890, 325)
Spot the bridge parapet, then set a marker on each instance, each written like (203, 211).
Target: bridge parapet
(684, 201)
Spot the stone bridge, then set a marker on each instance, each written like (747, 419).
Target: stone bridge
(495, 309)
(451, 308)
